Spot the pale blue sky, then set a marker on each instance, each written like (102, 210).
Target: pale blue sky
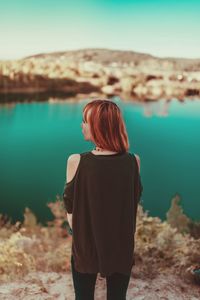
(160, 28)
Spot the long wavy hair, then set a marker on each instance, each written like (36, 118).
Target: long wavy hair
(107, 126)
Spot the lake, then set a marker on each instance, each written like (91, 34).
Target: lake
(36, 139)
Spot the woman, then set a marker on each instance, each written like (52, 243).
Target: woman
(102, 191)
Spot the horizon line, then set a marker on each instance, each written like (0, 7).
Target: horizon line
(98, 48)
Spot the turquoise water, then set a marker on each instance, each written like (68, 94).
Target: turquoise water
(37, 138)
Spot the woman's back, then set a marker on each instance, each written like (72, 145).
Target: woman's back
(103, 197)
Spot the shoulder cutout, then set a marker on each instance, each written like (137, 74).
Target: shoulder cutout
(72, 166)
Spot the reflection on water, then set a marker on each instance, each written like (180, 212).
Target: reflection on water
(37, 138)
(160, 108)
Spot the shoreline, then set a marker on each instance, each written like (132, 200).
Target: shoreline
(29, 96)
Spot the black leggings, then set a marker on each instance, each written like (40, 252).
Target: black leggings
(84, 285)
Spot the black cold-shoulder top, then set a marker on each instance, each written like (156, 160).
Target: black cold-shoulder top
(103, 197)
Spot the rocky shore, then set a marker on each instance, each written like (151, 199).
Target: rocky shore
(102, 72)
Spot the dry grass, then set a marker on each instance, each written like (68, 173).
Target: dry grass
(160, 247)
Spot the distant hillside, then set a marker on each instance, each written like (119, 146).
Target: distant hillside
(103, 56)
(106, 56)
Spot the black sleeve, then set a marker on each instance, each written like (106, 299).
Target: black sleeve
(138, 188)
(68, 197)
(137, 182)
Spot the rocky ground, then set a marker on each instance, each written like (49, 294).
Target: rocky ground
(104, 72)
(51, 286)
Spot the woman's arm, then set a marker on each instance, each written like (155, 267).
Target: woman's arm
(72, 165)
(69, 219)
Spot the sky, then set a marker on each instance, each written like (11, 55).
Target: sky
(161, 28)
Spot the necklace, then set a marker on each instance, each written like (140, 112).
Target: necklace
(98, 148)
(101, 149)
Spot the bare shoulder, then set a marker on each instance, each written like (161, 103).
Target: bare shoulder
(138, 160)
(72, 165)
(74, 157)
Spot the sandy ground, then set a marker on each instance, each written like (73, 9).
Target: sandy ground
(51, 285)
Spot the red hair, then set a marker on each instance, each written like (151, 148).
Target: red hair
(107, 126)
